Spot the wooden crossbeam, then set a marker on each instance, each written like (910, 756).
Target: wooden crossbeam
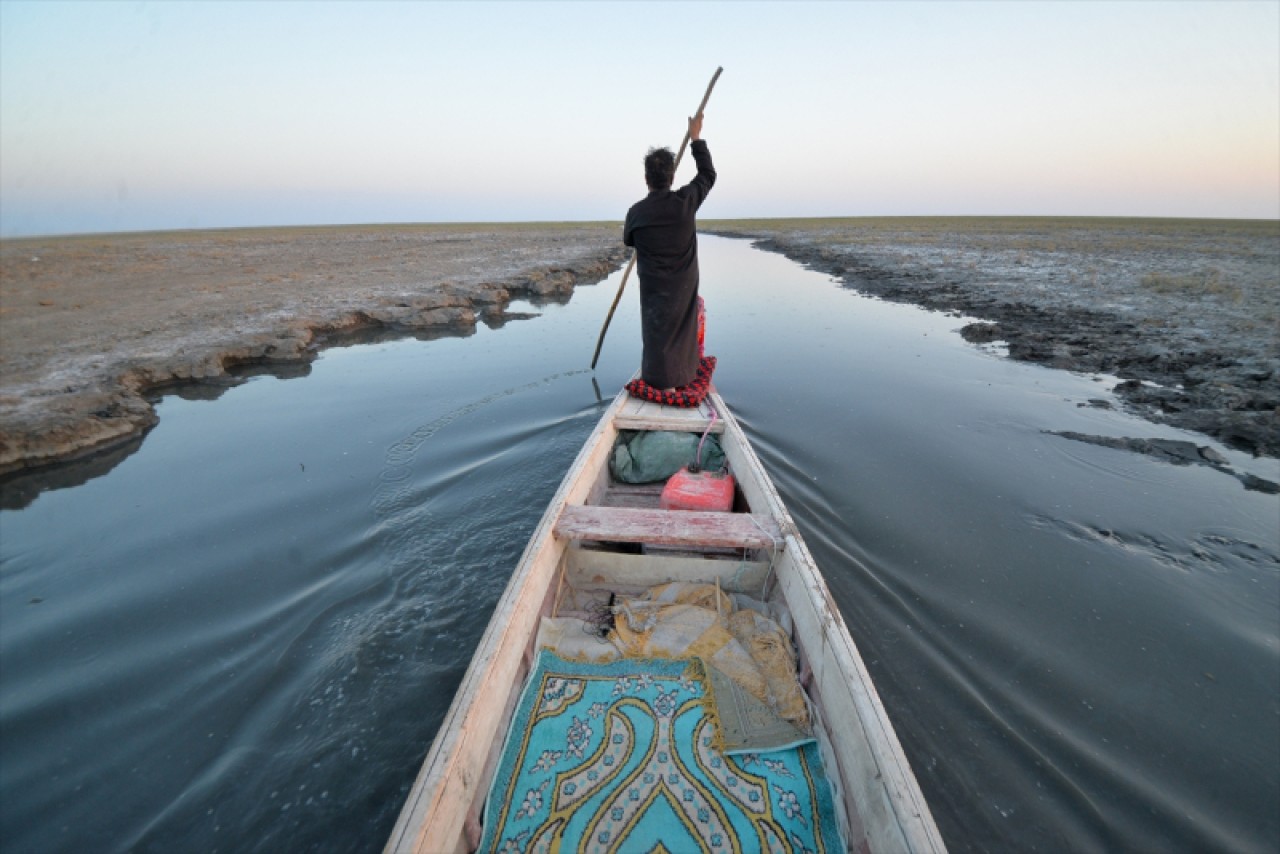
(668, 527)
(638, 414)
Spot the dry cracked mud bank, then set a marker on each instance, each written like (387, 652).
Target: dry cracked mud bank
(1185, 313)
(93, 327)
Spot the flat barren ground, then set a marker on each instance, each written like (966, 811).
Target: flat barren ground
(1186, 313)
(92, 326)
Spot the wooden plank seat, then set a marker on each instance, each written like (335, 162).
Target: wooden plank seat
(637, 414)
(668, 527)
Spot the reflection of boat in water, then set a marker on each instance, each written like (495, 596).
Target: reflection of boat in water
(680, 747)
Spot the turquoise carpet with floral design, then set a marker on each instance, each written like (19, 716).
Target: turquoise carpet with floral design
(621, 757)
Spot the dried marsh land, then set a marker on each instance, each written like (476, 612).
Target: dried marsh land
(1185, 313)
(91, 327)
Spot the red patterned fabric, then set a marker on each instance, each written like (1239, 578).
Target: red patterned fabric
(688, 395)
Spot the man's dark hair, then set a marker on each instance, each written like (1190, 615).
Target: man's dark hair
(659, 168)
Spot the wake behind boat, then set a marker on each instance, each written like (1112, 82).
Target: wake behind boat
(657, 675)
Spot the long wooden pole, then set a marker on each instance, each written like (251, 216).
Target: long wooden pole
(627, 272)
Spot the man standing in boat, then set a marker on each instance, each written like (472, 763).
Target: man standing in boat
(662, 229)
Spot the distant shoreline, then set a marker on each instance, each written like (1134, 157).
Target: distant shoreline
(337, 228)
(764, 223)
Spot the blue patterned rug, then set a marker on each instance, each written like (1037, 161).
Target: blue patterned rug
(621, 757)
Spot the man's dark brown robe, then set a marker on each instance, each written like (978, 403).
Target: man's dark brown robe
(661, 227)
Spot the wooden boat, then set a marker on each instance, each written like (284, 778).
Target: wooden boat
(877, 797)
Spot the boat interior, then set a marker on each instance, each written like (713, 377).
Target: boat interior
(635, 581)
(620, 537)
(656, 672)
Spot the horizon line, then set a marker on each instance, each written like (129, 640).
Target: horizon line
(618, 222)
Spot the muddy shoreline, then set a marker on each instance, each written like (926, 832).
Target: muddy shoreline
(1184, 313)
(94, 328)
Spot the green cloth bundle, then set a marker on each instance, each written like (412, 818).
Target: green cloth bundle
(643, 456)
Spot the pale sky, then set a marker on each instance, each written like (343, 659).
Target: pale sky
(125, 116)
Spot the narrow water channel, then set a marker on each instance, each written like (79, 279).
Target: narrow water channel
(244, 636)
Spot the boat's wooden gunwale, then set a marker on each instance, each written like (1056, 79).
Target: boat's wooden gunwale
(886, 810)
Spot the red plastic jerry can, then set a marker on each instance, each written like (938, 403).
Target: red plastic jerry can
(686, 490)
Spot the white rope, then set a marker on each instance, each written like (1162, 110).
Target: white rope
(773, 553)
(697, 457)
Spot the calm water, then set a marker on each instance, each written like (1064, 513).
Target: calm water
(244, 637)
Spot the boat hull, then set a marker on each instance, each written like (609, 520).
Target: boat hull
(881, 806)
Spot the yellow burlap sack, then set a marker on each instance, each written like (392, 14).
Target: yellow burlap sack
(682, 620)
(770, 648)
